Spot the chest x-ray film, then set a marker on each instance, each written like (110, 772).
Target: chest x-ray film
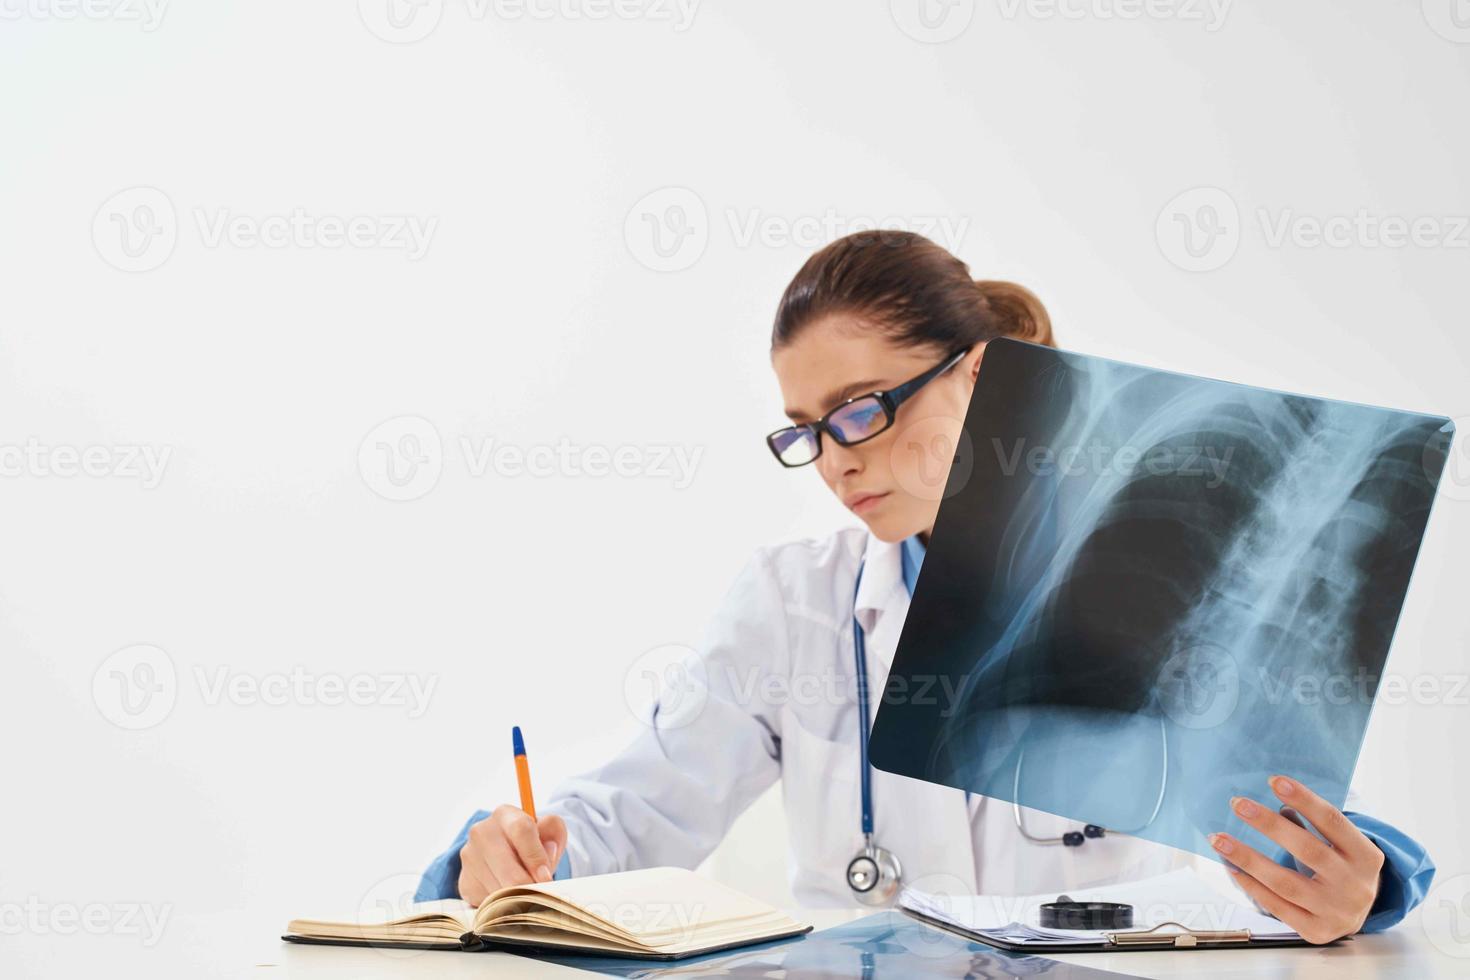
(1147, 592)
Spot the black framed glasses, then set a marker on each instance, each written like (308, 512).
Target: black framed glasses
(855, 420)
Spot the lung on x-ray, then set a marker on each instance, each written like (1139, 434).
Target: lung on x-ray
(1147, 592)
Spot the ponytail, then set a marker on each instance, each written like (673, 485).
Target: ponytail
(1016, 311)
(914, 290)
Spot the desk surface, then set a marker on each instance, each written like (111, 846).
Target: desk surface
(246, 945)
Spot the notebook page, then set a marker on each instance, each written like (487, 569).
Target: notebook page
(658, 905)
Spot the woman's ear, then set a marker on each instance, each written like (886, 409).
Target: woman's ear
(973, 359)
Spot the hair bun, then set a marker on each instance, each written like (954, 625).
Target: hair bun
(1017, 311)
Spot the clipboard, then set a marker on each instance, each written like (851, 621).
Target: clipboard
(1128, 941)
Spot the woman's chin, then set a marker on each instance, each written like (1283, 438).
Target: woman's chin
(891, 527)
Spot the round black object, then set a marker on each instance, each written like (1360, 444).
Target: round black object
(1066, 914)
(1073, 838)
(1093, 830)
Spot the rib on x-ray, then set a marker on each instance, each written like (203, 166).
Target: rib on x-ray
(1147, 592)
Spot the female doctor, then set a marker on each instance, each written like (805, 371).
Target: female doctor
(879, 334)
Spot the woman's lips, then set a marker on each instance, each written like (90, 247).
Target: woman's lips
(866, 502)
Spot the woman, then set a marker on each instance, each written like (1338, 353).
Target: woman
(878, 311)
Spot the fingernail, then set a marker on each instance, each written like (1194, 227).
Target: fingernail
(551, 850)
(543, 873)
(1222, 843)
(1283, 786)
(1246, 808)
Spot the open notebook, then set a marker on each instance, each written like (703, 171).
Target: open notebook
(654, 913)
(1166, 907)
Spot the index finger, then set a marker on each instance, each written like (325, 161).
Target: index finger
(521, 831)
(1329, 821)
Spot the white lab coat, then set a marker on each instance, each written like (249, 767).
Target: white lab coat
(770, 697)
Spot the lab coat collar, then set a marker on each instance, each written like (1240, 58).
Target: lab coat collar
(882, 585)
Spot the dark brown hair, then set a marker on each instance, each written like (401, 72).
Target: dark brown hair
(913, 290)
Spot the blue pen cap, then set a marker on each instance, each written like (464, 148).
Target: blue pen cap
(516, 741)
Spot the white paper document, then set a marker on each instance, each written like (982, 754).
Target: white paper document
(1181, 897)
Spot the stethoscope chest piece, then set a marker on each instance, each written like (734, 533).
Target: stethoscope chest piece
(874, 875)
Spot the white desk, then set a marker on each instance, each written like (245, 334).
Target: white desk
(245, 945)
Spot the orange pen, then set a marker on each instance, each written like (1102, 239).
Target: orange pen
(523, 771)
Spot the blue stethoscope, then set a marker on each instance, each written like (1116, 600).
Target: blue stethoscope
(875, 874)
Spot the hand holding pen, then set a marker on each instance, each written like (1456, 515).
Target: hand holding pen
(511, 846)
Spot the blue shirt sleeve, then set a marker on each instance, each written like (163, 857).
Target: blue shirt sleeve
(1406, 876)
(441, 878)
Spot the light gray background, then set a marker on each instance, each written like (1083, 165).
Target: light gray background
(1070, 148)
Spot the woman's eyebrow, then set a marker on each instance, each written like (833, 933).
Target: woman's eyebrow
(837, 397)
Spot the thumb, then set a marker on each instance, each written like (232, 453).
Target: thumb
(553, 832)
